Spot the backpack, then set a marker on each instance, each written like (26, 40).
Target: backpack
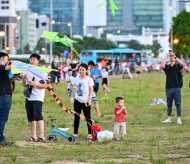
(179, 73)
(94, 131)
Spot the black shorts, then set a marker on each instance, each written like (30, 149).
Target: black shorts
(33, 110)
(104, 81)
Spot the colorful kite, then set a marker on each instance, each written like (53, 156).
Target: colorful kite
(112, 4)
(20, 67)
(52, 36)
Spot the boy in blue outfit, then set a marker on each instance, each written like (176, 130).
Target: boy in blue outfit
(96, 73)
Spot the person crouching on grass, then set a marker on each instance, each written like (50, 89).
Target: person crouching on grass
(83, 95)
(120, 112)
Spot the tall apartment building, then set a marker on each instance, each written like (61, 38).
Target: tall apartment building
(8, 25)
(63, 12)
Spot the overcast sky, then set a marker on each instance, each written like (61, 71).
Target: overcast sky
(22, 4)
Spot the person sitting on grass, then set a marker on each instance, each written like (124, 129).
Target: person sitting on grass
(120, 120)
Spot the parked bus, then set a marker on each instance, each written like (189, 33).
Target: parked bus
(122, 54)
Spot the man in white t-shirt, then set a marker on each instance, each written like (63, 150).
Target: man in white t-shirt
(34, 102)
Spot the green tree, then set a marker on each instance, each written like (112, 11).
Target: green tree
(27, 49)
(134, 44)
(155, 48)
(42, 43)
(87, 43)
(181, 32)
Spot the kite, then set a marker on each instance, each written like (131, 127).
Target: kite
(112, 4)
(20, 67)
(52, 36)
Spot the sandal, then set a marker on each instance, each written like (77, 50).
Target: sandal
(40, 140)
(31, 139)
(74, 135)
(89, 137)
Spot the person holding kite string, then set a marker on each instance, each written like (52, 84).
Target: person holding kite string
(34, 102)
(173, 85)
(83, 95)
(5, 94)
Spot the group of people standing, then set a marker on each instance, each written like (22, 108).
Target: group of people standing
(84, 84)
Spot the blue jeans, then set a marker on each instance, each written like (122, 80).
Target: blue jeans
(5, 106)
(173, 94)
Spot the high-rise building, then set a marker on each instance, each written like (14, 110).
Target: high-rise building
(133, 15)
(8, 25)
(122, 22)
(148, 13)
(156, 14)
(63, 12)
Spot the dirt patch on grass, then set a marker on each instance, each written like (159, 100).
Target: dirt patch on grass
(26, 144)
(71, 162)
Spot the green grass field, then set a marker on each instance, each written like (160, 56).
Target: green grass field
(148, 140)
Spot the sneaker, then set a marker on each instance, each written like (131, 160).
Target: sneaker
(6, 143)
(179, 121)
(168, 120)
(123, 138)
(116, 139)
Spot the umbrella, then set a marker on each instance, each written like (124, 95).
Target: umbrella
(20, 67)
(113, 6)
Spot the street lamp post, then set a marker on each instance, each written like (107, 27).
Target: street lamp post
(51, 45)
(171, 35)
(84, 30)
(71, 31)
(2, 34)
(5, 31)
(19, 32)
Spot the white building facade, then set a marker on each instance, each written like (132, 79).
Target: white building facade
(27, 29)
(8, 25)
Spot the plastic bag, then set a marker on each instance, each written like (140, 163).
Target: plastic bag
(104, 135)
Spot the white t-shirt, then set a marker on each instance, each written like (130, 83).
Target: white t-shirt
(37, 94)
(104, 74)
(65, 69)
(82, 88)
(69, 78)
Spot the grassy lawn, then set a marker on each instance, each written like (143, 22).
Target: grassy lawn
(148, 140)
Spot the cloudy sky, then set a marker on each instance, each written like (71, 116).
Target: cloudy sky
(21, 4)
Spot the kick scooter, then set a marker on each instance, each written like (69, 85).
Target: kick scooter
(52, 137)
